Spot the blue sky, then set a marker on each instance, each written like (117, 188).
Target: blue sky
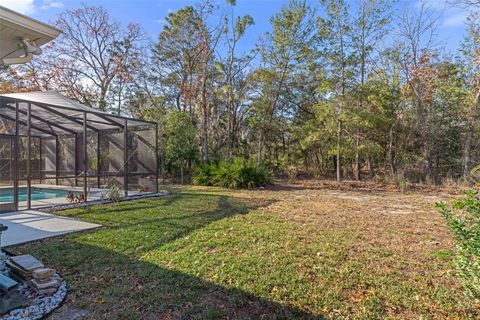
(151, 14)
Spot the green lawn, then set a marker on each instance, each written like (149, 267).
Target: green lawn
(208, 254)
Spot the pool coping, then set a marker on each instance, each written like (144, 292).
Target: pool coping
(100, 201)
(95, 197)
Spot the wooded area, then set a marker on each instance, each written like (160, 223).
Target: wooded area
(351, 93)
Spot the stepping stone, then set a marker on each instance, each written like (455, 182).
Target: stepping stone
(43, 274)
(26, 262)
(45, 285)
(17, 273)
(12, 300)
(6, 283)
(47, 292)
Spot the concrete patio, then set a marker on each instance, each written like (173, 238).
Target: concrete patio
(27, 226)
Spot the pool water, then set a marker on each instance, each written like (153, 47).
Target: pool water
(6, 195)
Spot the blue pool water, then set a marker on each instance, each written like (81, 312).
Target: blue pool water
(6, 195)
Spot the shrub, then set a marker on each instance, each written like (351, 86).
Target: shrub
(114, 193)
(203, 175)
(463, 217)
(234, 175)
(398, 180)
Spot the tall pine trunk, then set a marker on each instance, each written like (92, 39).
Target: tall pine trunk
(181, 173)
(339, 152)
(205, 114)
(426, 147)
(260, 147)
(357, 156)
(371, 166)
(205, 155)
(391, 151)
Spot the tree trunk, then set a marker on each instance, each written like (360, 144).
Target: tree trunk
(230, 114)
(339, 152)
(260, 147)
(426, 148)
(181, 172)
(205, 115)
(427, 162)
(371, 166)
(232, 135)
(162, 166)
(427, 159)
(391, 151)
(119, 106)
(466, 153)
(205, 137)
(318, 164)
(102, 103)
(356, 167)
(178, 99)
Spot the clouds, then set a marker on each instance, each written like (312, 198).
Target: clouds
(21, 6)
(451, 16)
(455, 19)
(29, 7)
(52, 4)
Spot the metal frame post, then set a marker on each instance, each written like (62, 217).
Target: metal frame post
(29, 155)
(85, 157)
(76, 160)
(15, 159)
(56, 159)
(40, 160)
(98, 159)
(156, 158)
(125, 156)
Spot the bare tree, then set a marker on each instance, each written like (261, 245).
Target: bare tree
(369, 28)
(466, 3)
(209, 40)
(470, 55)
(418, 33)
(91, 52)
(234, 70)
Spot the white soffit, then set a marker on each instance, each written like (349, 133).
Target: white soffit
(14, 27)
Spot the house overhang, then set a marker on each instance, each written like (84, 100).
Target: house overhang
(17, 30)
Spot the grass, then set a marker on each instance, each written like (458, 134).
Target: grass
(296, 251)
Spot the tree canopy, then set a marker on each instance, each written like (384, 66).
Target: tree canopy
(331, 90)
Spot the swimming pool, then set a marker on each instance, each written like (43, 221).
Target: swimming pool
(6, 194)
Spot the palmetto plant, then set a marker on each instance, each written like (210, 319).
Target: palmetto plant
(236, 174)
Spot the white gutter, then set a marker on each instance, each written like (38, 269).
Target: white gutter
(19, 19)
(20, 60)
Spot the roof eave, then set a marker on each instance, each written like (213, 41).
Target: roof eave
(15, 18)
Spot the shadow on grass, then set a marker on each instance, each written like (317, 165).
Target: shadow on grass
(108, 278)
(114, 286)
(163, 201)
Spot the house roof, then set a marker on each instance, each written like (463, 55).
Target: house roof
(14, 27)
(54, 114)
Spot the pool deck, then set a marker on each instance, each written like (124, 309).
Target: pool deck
(28, 226)
(93, 194)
